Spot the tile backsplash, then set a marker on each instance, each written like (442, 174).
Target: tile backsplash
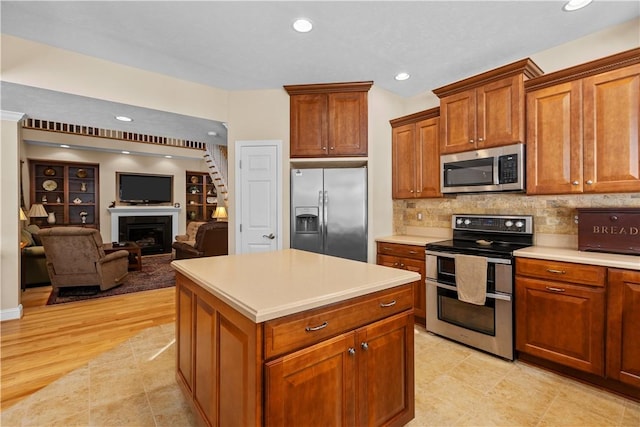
(552, 215)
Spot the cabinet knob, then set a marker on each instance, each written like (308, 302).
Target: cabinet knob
(324, 148)
(332, 148)
(351, 351)
(410, 191)
(575, 183)
(589, 182)
(364, 346)
(480, 139)
(471, 141)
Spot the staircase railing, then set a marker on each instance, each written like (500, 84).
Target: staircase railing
(215, 157)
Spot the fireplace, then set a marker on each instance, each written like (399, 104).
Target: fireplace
(153, 227)
(151, 233)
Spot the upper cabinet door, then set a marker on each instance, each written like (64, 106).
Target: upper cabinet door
(554, 140)
(348, 124)
(403, 161)
(500, 112)
(611, 121)
(458, 122)
(428, 158)
(309, 125)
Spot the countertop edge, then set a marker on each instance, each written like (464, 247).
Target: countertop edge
(627, 262)
(259, 316)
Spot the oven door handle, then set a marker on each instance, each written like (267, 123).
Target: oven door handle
(500, 296)
(450, 255)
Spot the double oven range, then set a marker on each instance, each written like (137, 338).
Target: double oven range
(488, 327)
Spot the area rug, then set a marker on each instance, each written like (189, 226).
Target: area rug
(156, 273)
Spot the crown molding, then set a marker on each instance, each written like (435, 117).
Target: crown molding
(12, 116)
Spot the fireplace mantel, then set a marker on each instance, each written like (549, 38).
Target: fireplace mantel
(120, 211)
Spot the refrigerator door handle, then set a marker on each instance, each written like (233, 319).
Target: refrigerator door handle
(325, 214)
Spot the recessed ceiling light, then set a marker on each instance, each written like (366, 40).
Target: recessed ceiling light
(572, 5)
(125, 152)
(64, 146)
(212, 133)
(302, 25)
(402, 76)
(124, 118)
(168, 157)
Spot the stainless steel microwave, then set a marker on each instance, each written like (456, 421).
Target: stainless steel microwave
(490, 169)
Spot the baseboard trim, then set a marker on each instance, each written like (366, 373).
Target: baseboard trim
(11, 313)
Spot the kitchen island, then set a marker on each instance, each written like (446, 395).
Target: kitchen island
(295, 338)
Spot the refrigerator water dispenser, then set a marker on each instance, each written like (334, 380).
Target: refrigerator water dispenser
(307, 220)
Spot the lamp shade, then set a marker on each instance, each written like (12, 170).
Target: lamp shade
(37, 211)
(23, 216)
(220, 213)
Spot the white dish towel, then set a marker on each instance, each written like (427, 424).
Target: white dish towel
(471, 278)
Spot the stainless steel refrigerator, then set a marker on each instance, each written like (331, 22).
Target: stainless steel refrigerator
(329, 211)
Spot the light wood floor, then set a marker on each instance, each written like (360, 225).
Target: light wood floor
(50, 341)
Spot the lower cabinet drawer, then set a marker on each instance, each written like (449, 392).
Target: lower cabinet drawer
(300, 330)
(584, 274)
(396, 249)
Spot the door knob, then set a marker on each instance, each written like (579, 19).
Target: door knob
(270, 236)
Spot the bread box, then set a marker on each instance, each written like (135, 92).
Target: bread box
(615, 230)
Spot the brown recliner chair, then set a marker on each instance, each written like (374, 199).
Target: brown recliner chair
(75, 257)
(211, 240)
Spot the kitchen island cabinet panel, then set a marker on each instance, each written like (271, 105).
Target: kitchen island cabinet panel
(386, 372)
(623, 327)
(225, 386)
(293, 384)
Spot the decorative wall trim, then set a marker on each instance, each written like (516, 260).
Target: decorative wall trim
(12, 116)
(51, 126)
(11, 313)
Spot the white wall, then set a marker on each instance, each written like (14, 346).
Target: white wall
(10, 307)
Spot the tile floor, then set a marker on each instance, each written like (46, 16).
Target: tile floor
(134, 385)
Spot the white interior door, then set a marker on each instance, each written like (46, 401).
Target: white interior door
(259, 196)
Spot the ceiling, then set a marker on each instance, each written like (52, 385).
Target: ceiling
(243, 45)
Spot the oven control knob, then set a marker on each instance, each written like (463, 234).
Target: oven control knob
(508, 223)
(459, 221)
(467, 221)
(519, 224)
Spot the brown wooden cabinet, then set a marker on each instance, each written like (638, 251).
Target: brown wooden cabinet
(412, 258)
(582, 128)
(351, 368)
(415, 155)
(486, 110)
(560, 313)
(70, 191)
(329, 120)
(623, 327)
(327, 364)
(201, 196)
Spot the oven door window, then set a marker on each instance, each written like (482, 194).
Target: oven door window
(479, 318)
(469, 172)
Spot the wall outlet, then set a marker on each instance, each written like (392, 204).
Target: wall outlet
(419, 216)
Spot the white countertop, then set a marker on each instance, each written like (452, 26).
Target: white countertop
(268, 285)
(630, 262)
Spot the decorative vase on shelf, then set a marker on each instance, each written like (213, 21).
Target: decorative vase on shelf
(83, 186)
(51, 219)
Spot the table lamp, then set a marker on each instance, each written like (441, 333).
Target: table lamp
(220, 213)
(37, 210)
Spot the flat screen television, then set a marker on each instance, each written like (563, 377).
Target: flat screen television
(139, 188)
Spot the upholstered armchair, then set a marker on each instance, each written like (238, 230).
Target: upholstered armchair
(190, 236)
(75, 257)
(211, 240)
